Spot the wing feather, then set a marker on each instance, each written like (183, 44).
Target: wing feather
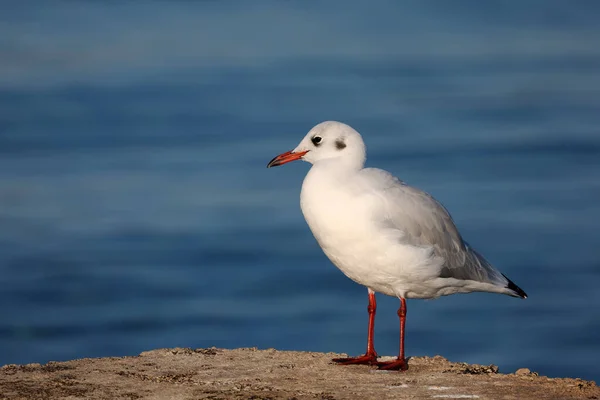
(425, 222)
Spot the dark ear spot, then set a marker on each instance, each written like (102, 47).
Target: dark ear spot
(339, 144)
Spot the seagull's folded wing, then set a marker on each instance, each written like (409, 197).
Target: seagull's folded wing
(424, 222)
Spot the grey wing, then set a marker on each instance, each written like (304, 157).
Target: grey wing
(426, 222)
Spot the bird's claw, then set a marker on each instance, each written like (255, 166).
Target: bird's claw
(398, 364)
(367, 359)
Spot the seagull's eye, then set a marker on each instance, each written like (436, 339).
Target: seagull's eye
(316, 140)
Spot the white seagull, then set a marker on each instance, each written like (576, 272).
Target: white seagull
(383, 234)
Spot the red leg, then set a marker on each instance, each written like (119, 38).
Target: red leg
(399, 363)
(370, 357)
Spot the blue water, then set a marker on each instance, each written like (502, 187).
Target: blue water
(136, 211)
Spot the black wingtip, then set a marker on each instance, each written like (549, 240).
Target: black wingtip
(511, 285)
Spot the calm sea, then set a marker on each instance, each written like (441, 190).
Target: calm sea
(136, 211)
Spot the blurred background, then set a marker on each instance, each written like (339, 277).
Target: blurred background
(136, 211)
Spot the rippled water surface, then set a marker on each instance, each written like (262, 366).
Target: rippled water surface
(136, 211)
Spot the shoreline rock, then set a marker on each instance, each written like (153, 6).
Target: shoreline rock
(249, 373)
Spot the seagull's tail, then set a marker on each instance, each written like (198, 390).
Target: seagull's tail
(518, 291)
(492, 275)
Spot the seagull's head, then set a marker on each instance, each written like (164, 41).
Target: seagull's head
(330, 140)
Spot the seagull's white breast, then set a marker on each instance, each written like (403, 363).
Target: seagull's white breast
(339, 212)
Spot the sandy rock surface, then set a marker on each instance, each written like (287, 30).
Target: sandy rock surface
(270, 374)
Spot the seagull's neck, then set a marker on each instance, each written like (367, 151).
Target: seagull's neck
(327, 176)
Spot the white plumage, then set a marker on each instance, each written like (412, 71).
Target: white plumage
(381, 233)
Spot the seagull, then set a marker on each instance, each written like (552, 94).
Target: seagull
(380, 232)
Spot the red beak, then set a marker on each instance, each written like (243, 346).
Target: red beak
(285, 158)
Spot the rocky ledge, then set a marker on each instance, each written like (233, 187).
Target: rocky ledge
(270, 374)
